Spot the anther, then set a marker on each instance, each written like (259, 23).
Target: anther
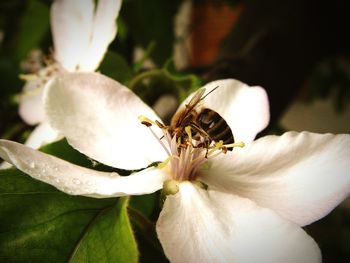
(218, 145)
(189, 133)
(236, 144)
(148, 123)
(27, 77)
(145, 121)
(160, 125)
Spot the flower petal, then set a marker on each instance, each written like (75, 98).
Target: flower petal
(244, 108)
(103, 33)
(31, 107)
(301, 176)
(100, 119)
(208, 226)
(72, 23)
(76, 180)
(41, 135)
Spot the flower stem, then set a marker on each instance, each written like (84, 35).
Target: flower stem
(144, 75)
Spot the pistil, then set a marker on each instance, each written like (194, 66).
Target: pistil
(186, 155)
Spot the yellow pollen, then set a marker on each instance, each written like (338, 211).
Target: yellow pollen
(144, 118)
(178, 140)
(218, 145)
(221, 146)
(189, 133)
(27, 77)
(236, 144)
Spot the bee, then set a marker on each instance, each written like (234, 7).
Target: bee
(207, 125)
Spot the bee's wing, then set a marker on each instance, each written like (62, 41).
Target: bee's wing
(198, 97)
(195, 100)
(181, 116)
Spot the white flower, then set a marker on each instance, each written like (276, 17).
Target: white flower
(247, 205)
(81, 34)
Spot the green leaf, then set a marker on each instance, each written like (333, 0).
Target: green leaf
(39, 224)
(116, 67)
(66, 152)
(152, 21)
(110, 238)
(63, 150)
(34, 25)
(145, 204)
(145, 231)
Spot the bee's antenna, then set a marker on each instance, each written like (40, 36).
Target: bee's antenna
(209, 92)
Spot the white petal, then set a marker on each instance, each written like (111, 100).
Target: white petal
(31, 107)
(5, 165)
(103, 33)
(41, 135)
(99, 117)
(244, 108)
(207, 226)
(301, 176)
(72, 23)
(76, 180)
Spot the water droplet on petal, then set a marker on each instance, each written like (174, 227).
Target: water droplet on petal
(32, 165)
(57, 180)
(76, 181)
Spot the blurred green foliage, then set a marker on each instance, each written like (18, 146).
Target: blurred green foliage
(150, 21)
(36, 16)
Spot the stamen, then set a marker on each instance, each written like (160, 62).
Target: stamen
(218, 145)
(236, 144)
(178, 141)
(27, 77)
(160, 125)
(186, 155)
(145, 121)
(189, 133)
(148, 123)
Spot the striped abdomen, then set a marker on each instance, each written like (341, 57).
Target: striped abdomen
(217, 128)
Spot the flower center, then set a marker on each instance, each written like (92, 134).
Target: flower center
(39, 79)
(186, 155)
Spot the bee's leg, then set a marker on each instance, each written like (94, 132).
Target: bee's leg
(207, 145)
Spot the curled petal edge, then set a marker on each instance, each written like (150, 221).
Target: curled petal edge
(76, 180)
